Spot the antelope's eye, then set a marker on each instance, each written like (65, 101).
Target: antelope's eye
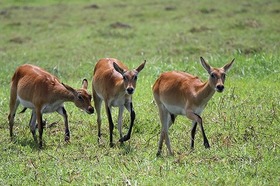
(212, 75)
(80, 97)
(223, 76)
(125, 78)
(135, 78)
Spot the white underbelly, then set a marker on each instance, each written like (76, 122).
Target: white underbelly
(117, 102)
(25, 103)
(175, 109)
(199, 110)
(46, 108)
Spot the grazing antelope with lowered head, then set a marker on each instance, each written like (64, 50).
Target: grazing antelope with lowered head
(115, 84)
(180, 93)
(42, 92)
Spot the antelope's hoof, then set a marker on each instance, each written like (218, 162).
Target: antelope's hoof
(112, 144)
(158, 153)
(67, 138)
(12, 137)
(121, 140)
(125, 138)
(207, 146)
(40, 145)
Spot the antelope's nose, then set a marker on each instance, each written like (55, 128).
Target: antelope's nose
(130, 90)
(90, 110)
(220, 88)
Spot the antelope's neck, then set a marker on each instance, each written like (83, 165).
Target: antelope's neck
(205, 92)
(67, 96)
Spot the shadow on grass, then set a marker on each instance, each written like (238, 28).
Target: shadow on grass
(24, 142)
(125, 148)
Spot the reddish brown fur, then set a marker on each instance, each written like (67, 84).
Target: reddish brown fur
(107, 81)
(114, 83)
(37, 89)
(180, 93)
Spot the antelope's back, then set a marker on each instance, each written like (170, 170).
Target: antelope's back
(175, 87)
(175, 81)
(32, 72)
(106, 64)
(106, 80)
(31, 79)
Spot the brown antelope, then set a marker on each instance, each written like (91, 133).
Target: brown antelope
(180, 93)
(42, 92)
(115, 84)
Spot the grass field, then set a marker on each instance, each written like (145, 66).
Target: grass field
(68, 37)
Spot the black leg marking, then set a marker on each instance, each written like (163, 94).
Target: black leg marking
(205, 140)
(111, 126)
(172, 118)
(67, 131)
(23, 110)
(193, 131)
(132, 118)
(40, 129)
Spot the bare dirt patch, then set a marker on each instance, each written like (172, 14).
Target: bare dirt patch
(19, 40)
(120, 25)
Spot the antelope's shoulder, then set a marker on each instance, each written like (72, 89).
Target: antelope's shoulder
(107, 63)
(178, 78)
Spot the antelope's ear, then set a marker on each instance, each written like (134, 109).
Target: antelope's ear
(73, 91)
(118, 68)
(228, 66)
(138, 69)
(205, 65)
(85, 84)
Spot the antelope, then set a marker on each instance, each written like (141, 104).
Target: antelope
(180, 93)
(42, 92)
(114, 83)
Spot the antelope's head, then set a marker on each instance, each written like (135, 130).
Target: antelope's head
(217, 75)
(129, 77)
(82, 99)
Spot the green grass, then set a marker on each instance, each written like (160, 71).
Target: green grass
(68, 37)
